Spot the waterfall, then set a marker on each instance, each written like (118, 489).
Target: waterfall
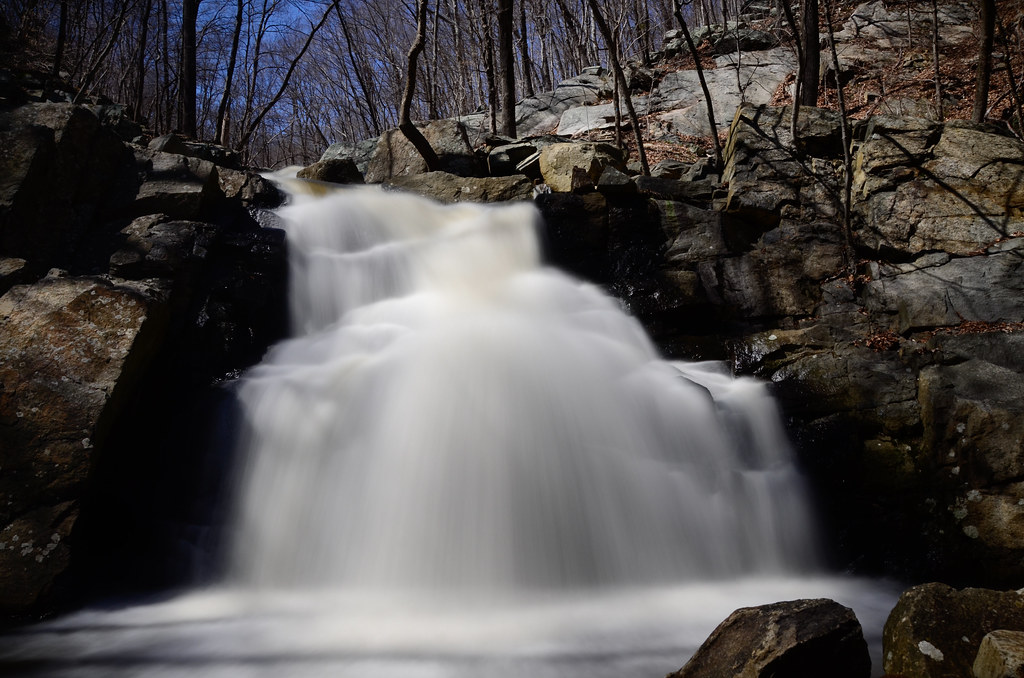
(453, 415)
(468, 465)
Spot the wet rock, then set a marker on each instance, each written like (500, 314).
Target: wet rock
(448, 188)
(249, 188)
(784, 640)
(936, 630)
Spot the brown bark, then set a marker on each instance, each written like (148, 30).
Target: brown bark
(410, 130)
(507, 85)
(984, 73)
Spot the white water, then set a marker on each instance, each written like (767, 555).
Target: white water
(466, 463)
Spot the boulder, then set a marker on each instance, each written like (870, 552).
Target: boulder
(540, 114)
(179, 186)
(395, 156)
(1001, 655)
(251, 189)
(449, 188)
(333, 170)
(156, 247)
(70, 351)
(60, 171)
(792, 639)
(745, 40)
(360, 153)
(936, 630)
(558, 161)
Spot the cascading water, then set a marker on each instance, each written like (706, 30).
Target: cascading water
(466, 463)
(456, 416)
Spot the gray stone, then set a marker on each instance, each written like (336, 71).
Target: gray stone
(935, 631)
(179, 186)
(983, 288)
(541, 114)
(784, 640)
(249, 188)
(395, 156)
(168, 143)
(449, 188)
(360, 152)
(1001, 655)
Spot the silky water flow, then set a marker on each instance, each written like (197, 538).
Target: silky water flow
(465, 463)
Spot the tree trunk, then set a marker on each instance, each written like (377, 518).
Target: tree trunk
(508, 74)
(187, 91)
(524, 51)
(801, 61)
(812, 53)
(222, 110)
(703, 83)
(62, 34)
(935, 60)
(984, 74)
(620, 79)
(492, 88)
(410, 131)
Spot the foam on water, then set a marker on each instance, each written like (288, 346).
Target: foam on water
(467, 463)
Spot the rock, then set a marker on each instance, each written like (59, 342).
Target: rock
(1001, 655)
(669, 169)
(395, 156)
(784, 640)
(168, 143)
(360, 153)
(60, 172)
(116, 118)
(12, 270)
(505, 159)
(681, 100)
(541, 114)
(886, 25)
(580, 119)
(935, 630)
(179, 186)
(335, 171)
(923, 295)
(614, 182)
(576, 233)
(558, 161)
(156, 247)
(70, 350)
(746, 40)
(250, 189)
(448, 188)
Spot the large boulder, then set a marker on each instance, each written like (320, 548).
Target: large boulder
(792, 639)
(177, 185)
(935, 630)
(448, 188)
(452, 141)
(559, 163)
(71, 351)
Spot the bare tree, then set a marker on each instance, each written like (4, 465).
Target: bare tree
(506, 58)
(984, 73)
(812, 53)
(620, 79)
(187, 90)
(678, 11)
(220, 127)
(410, 131)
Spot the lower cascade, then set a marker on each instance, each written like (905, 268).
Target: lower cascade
(467, 463)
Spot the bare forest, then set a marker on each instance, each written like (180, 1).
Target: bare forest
(279, 80)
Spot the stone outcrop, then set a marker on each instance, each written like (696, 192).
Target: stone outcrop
(784, 640)
(452, 141)
(1001, 655)
(132, 279)
(936, 630)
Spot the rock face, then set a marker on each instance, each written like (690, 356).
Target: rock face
(784, 640)
(395, 156)
(159, 284)
(559, 163)
(936, 630)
